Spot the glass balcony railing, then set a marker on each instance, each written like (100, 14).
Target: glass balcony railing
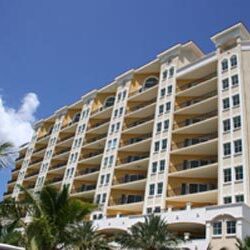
(84, 188)
(193, 141)
(87, 171)
(133, 158)
(195, 100)
(135, 139)
(139, 121)
(127, 199)
(195, 83)
(191, 189)
(195, 119)
(140, 106)
(129, 178)
(191, 164)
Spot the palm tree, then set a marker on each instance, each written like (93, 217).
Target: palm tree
(5, 154)
(243, 245)
(152, 234)
(51, 214)
(85, 237)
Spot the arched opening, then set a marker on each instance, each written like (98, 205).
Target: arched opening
(150, 82)
(77, 117)
(109, 101)
(233, 61)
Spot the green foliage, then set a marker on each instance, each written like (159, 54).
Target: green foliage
(243, 245)
(5, 154)
(152, 234)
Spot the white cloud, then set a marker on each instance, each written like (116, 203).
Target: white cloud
(16, 125)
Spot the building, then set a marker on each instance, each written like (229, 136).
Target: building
(171, 137)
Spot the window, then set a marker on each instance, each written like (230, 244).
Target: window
(225, 84)
(159, 188)
(157, 146)
(235, 80)
(150, 82)
(149, 210)
(236, 100)
(98, 198)
(154, 167)
(231, 227)
(226, 125)
(168, 106)
(169, 89)
(171, 72)
(109, 144)
(233, 61)
(224, 65)
(107, 178)
(109, 101)
(104, 198)
(159, 125)
(226, 103)
(162, 165)
(124, 93)
(121, 111)
(119, 97)
(227, 200)
(117, 126)
(164, 144)
(105, 161)
(227, 175)
(114, 143)
(102, 179)
(157, 209)
(227, 148)
(238, 173)
(116, 113)
(111, 159)
(161, 109)
(151, 189)
(239, 198)
(217, 228)
(165, 74)
(237, 122)
(163, 92)
(237, 146)
(166, 125)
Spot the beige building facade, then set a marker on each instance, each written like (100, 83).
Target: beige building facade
(171, 137)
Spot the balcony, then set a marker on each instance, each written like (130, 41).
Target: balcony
(133, 158)
(143, 93)
(32, 174)
(192, 83)
(61, 152)
(85, 187)
(195, 119)
(102, 112)
(44, 136)
(12, 181)
(74, 121)
(87, 171)
(190, 189)
(55, 180)
(134, 140)
(7, 193)
(138, 122)
(194, 140)
(127, 199)
(58, 166)
(195, 100)
(35, 162)
(95, 139)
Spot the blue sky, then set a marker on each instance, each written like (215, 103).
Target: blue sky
(61, 49)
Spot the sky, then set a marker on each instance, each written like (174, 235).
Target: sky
(52, 52)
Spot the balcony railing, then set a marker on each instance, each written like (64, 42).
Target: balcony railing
(129, 178)
(99, 124)
(195, 100)
(95, 138)
(7, 193)
(133, 158)
(194, 83)
(191, 189)
(92, 154)
(100, 109)
(20, 157)
(193, 141)
(141, 90)
(191, 164)
(54, 180)
(84, 188)
(127, 200)
(140, 106)
(12, 181)
(44, 136)
(32, 174)
(87, 171)
(75, 120)
(39, 149)
(135, 140)
(61, 151)
(139, 121)
(35, 161)
(65, 138)
(58, 165)
(195, 119)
